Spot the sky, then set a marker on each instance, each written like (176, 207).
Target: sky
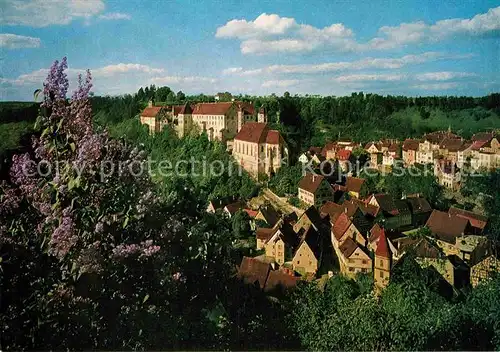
(327, 47)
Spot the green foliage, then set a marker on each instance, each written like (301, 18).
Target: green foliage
(12, 133)
(485, 189)
(241, 224)
(286, 180)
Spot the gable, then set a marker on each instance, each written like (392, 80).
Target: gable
(359, 253)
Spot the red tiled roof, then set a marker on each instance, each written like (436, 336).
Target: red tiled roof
(310, 182)
(332, 209)
(369, 144)
(247, 108)
(252, 270)
(348, 247)
(375, 233)
(344, 154)
(212, 108)
(151, 111)
(482, 136)
(354, 184)
(393, 147)
(264, 233)
(329, 146)
(451, 144)
(177, 109)
(254, 132)
(234, 207)
(365, 207)
(279, 279)
(476, 220)
(411, 144)
(251, 213)
(478, 144)
(186, 109)
(382, 246)
(445, 226)
(273, 137)
(341, 225)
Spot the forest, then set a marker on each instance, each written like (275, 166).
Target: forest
(135, 263)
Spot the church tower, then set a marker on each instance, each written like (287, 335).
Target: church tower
(261, 116)
(241, 118)
(382, 263)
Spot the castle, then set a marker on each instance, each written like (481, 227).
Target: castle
(255, 147)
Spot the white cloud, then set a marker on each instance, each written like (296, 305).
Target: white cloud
(443, 76)
(112, 79)
(366, 63)
(280, 83)
(121, 68)
(42, 13)
(270, 33)
(263, 26)
(115, 16)
(437, 86)
(14, 41)
(160, 81)
(370, 78)
(417, 32)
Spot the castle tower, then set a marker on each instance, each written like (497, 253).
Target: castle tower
(382, 263)
(184, 119)
(261, 116)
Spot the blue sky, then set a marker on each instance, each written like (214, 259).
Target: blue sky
(255, 47)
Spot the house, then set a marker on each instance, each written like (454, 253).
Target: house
(464, 155)
(152, 115)
(343, 157)
(332, 209)
(307, 257)
(375, 151)
(447, 173)
(485, 154)
(253, 271)
(354, 186)
(262, 235)
(483, 269)
(446, 228)
(282, 243)
(410, 148)
(268, 214)
(311, 217)
(477, 222)
(233, 208)
(259, 150)
(353, 259)
(449, 148)
(420, 210)
(390, 155)
(256, 272)
(315, 189)
(396, 213)
(470, 247)
(373, 240)
(313, 155)
(382, 263)
(219, 203)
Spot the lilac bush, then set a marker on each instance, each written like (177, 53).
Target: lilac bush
(91, 255)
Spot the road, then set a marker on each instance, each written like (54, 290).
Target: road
(280, 203)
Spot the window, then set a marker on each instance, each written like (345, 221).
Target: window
(364, 261)
(381, 274)
(351, 269)
(298, 262)
(262, 149)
